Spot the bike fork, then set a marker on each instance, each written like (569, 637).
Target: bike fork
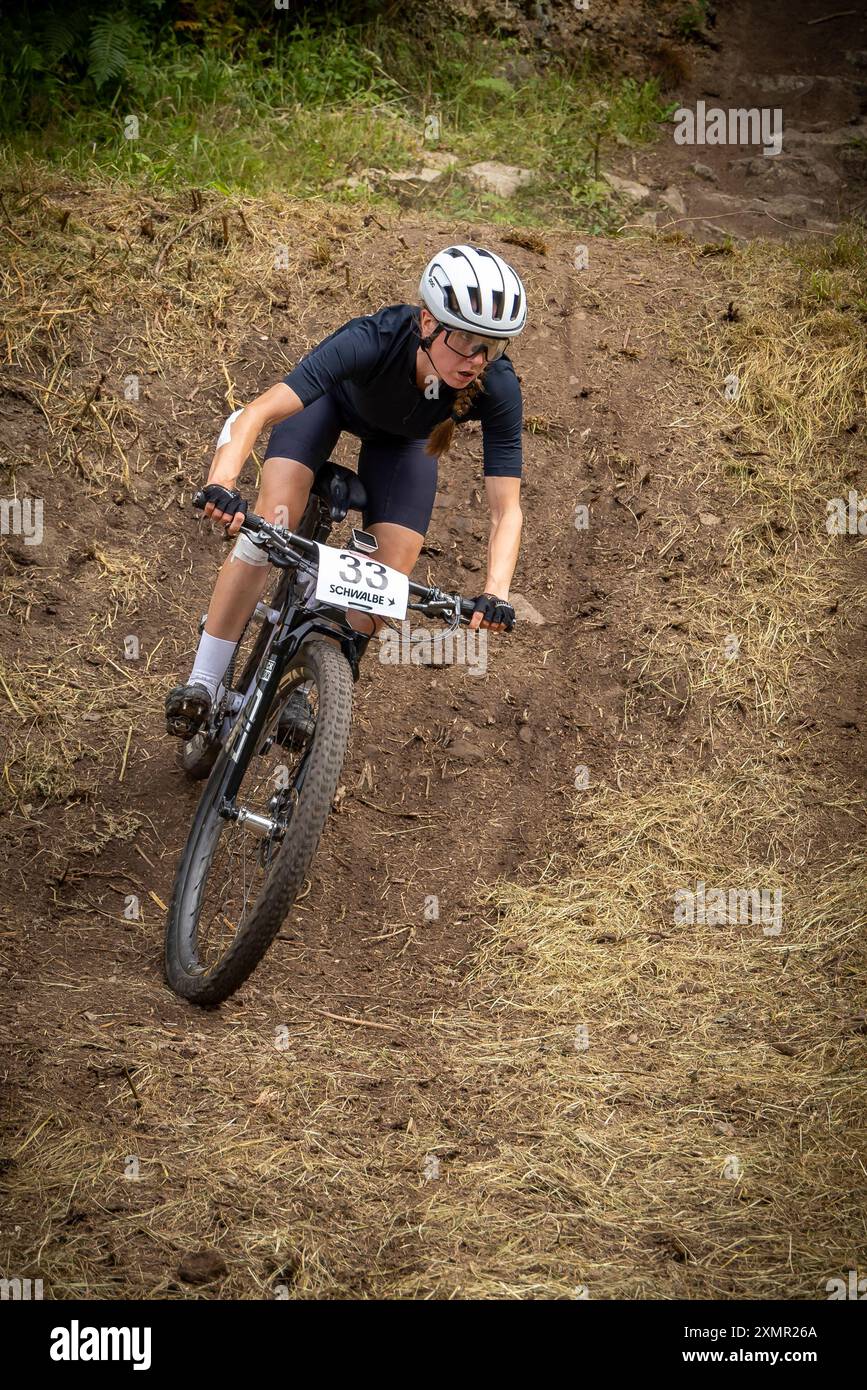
(251, 720)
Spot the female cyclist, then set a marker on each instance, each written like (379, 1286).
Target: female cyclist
(399, 380)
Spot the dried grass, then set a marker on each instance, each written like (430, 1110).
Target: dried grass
(483, 1151)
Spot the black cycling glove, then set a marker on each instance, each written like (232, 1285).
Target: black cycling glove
(495, 610)
(227, 499)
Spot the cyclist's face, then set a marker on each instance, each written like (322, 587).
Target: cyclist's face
(451, 367)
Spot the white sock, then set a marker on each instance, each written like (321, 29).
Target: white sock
(212, 658)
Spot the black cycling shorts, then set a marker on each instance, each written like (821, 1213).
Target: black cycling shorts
(400, 479)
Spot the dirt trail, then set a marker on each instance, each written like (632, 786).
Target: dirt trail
(760, 54)
(89, 1009)
(292, 1129)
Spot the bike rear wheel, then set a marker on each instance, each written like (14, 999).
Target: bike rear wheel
(236, 882)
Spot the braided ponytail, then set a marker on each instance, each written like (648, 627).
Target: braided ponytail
(441, 437)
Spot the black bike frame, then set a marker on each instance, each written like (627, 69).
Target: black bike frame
(278, 659)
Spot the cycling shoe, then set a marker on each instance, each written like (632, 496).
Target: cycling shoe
(187, 709)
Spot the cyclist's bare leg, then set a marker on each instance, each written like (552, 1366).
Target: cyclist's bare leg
(399, 547)
(282, 498)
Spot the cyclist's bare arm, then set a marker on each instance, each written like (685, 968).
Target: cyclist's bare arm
(504, 542)
(274, 405)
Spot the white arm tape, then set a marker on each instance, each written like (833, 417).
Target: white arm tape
(227, 428)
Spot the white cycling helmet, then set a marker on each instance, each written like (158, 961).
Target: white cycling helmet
(466, 287)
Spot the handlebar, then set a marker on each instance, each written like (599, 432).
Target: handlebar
(433, 602)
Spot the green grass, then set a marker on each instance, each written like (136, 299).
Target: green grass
(323, 103)
(835, 272)
(693, 20)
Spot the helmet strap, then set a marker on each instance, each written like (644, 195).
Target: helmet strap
(427, 341)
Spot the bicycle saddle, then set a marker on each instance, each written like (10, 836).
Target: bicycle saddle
(342, 489)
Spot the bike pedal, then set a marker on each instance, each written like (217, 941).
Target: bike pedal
(179, 727)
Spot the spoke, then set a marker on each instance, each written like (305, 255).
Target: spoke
(229, 886)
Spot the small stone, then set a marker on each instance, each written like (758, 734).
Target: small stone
(793, 205)
(704, 171)
(504, 179)
(708, 519)
(525, 612)
(628, 187)
(673, 198)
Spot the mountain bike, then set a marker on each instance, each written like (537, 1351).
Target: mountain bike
(270, 784)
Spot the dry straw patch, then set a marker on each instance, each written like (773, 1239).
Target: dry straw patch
(745, 642)
(70, 727)
(798, 347)
(775, 590)
(485, 1151)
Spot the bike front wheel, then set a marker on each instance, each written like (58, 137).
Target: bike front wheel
(244, 865)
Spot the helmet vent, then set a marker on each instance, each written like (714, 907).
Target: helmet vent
(471, 288)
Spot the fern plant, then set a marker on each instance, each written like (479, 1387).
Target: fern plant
(114, 38)
(60, 34)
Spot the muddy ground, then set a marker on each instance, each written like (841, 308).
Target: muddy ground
(249, 1139)
(807, 62)
(396, 1106)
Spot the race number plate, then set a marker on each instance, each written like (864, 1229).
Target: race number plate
(349, 580)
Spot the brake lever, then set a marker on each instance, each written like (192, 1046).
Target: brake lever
(447, 606)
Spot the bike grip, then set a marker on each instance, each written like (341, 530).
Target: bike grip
(200, 501)
(250, 518)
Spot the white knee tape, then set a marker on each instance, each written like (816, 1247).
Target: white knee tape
(226, 434)
(245, 549)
